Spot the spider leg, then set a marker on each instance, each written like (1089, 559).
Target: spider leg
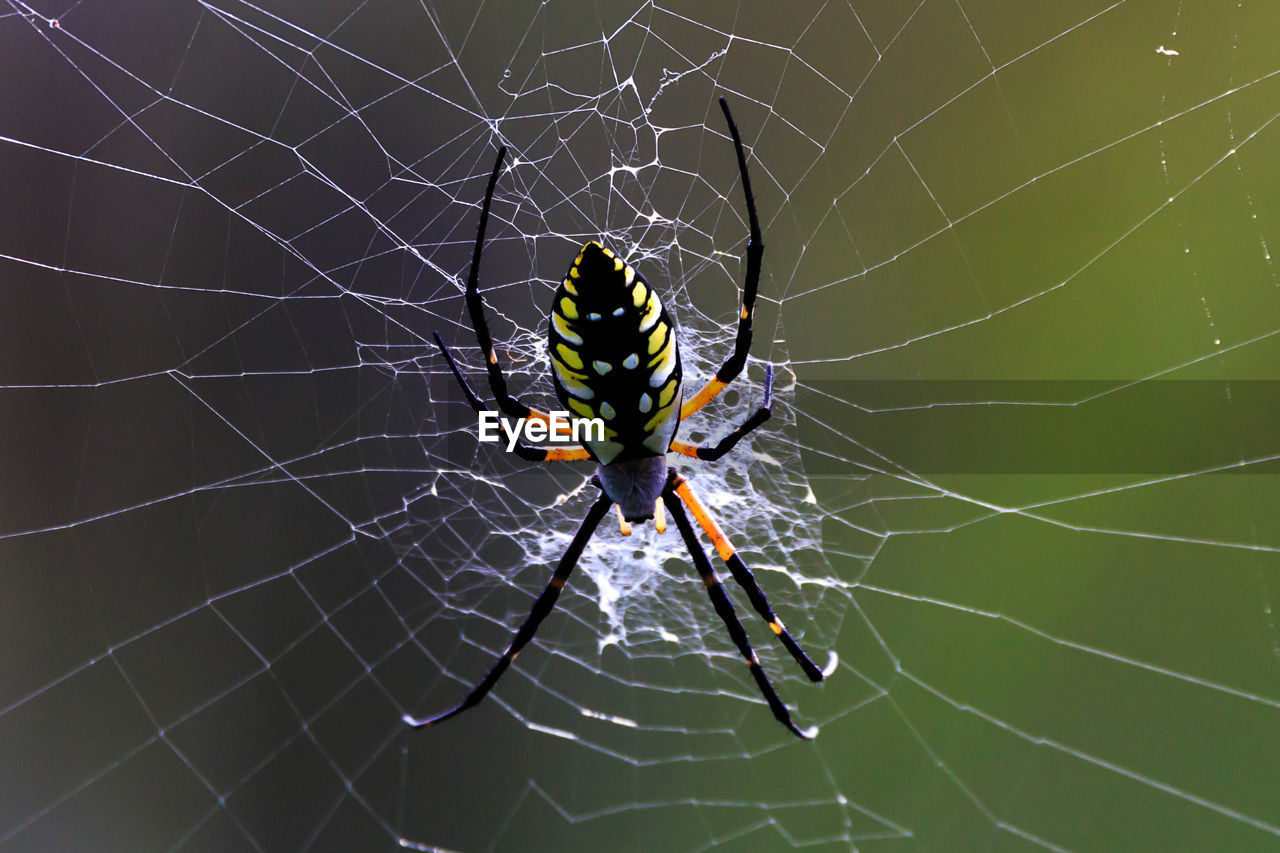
(744, 577)
(509, 405)
(568, 453)
(544, 604)
(755, 251)
(724, 607)
(475, 305)
(762, 414)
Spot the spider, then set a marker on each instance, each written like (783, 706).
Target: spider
(615, 357)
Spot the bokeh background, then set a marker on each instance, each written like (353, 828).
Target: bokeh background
(1019, 287)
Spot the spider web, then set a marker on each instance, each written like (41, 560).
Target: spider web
(1020, 477)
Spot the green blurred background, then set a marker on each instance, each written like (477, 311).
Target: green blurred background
(1018, 263)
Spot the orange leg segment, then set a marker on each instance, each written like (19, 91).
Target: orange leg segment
(744, 577)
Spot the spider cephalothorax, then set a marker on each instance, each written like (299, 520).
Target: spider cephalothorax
(614, 356)
(634, 485)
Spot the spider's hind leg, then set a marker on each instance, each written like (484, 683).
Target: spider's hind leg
(743, 575)
(724, 607)
(541, 607)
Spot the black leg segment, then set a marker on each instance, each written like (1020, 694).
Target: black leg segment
(541, 607)
(509, 406)
(724, 607)
(755, 252)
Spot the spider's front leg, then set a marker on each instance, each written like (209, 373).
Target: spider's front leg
(750, 284)
(508, 405)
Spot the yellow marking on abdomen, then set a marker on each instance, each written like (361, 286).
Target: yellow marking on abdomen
(665, 395)
(562, 326)
(652, 309)
(581, 409)
(568, 357)
(656, 337)
(663, 366)
(662, 414)
(573, 383)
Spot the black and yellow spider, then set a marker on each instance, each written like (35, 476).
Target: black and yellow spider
(614, 353)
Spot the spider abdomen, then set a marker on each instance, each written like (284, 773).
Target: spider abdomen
(614, 355)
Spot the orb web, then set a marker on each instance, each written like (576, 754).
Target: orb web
(1019, 295)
